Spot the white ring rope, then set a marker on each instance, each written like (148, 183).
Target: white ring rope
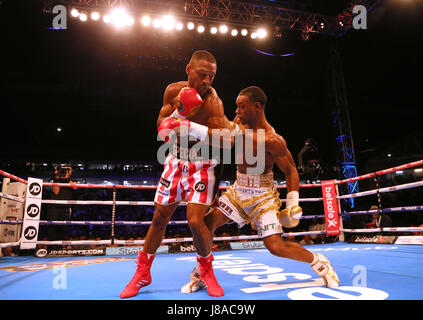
(390, 229)
(382, 190)
(135, 203)
(151, 203)
(10, 197)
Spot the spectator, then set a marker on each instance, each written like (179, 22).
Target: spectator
(379, 220)
(59, 212)
(306, 240)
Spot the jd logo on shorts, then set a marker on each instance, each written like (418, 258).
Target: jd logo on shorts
(34, 189)
(165, 182)
(33, 210)
(200, 186)
(30, 233)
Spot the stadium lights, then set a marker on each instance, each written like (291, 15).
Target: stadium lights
(83, 16)
(146, 21)
(223, 29)
(95, 16)
(157, 23)
(107, 19)
(120, 18)
(168, 22)
(74, 13)
(261, 33)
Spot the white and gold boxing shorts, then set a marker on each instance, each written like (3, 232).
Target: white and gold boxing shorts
(253, 199)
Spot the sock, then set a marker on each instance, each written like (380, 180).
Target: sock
(315, 259)
(208, 256)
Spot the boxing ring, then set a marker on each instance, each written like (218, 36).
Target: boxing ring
(386, 265)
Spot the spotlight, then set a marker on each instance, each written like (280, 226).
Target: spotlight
(120, 18)
(253, 35)
(168, 22)
(179, 26)
(244, 32)
(130, 21)
(83, 17)
(213, 30)
(234, 32)
(146, 21)
(95, 15)
(261, 33)
(200, 29)
(107, 19)
(74, 13)
(223, 29)
(156, 23)
(190, 25)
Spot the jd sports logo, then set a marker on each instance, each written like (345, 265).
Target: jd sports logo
(165, 182)
(34, 189)
(30, 233)
(32, 210)
(200, 186)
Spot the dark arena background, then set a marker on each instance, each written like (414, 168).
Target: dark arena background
(82, 85)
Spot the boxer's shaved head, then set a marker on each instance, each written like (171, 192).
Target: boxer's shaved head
(202, 55)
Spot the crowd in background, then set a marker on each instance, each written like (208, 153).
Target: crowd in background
(145, 213)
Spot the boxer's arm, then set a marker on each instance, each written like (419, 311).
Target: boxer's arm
(277, 146)
(169, 96)
(218, 123)
(288, 217)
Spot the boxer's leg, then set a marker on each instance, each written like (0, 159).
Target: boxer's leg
(157, 230)
(202, 238)
(292, 250)
(287, 249)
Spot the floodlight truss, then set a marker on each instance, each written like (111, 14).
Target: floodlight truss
(237, 13)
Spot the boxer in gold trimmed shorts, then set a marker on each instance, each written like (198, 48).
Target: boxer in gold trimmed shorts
(253, 197)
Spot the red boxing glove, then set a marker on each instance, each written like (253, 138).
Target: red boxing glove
(194, 129)
(188, 99)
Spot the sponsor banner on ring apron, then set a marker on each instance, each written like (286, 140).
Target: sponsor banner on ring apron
(32, 213)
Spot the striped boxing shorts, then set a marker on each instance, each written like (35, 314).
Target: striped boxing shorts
(253, 199)
(191, 181)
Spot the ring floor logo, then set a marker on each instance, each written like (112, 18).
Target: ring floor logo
(268, 278)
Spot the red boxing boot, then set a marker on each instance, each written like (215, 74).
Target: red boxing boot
(141, 278)
(207, 276)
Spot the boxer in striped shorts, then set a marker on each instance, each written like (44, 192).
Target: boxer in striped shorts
(187, 176)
